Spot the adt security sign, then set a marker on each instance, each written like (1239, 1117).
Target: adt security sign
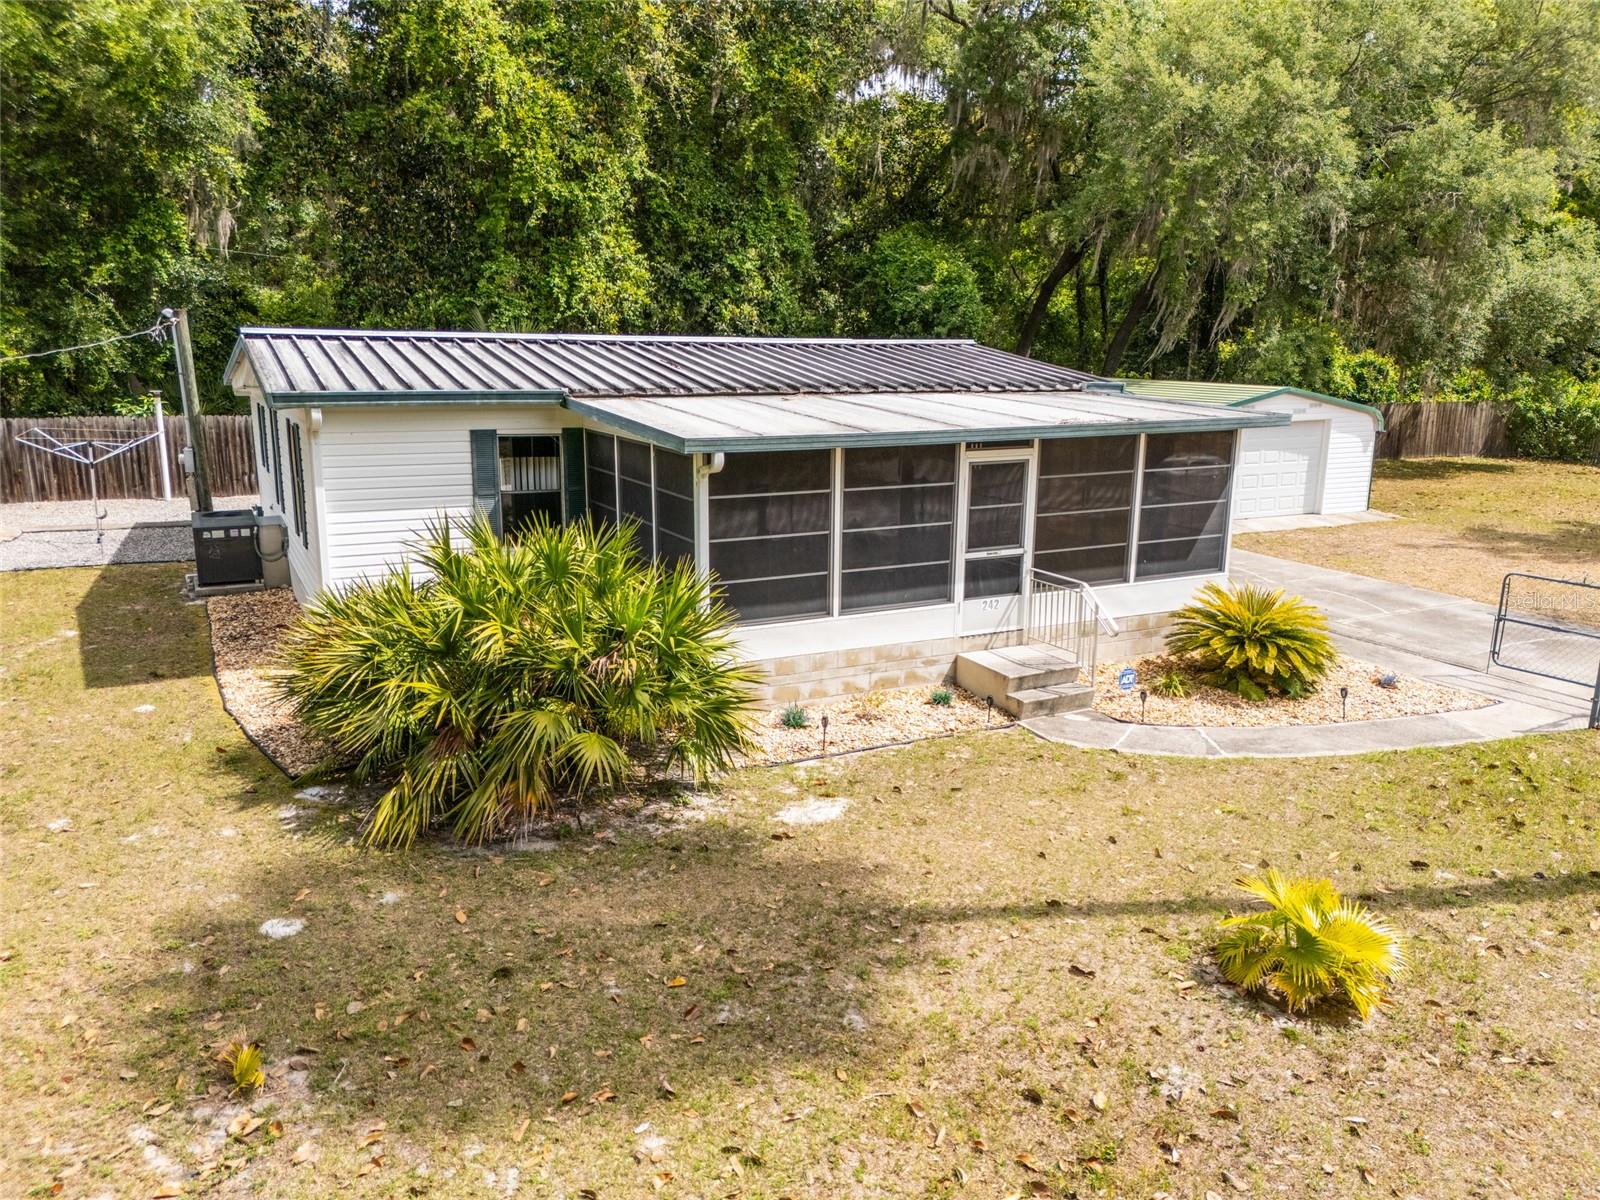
(1126, 679)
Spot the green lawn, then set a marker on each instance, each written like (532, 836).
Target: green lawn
(967, 985)
(1466, 522)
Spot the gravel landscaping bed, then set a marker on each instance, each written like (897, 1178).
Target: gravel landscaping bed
(870, 719)
(1368, 700)
(245, 630)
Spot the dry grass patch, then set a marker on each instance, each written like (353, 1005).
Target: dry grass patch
(991, 966)
(1467, 522)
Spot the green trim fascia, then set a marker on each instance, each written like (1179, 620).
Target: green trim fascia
(405, 399)
(1336, 401)
(920, 437)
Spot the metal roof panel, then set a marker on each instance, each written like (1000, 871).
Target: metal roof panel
(809, 421)
(297, 365)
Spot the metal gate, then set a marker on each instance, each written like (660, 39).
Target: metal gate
(1551, 628)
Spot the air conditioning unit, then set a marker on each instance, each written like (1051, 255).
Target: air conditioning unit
(225, 553)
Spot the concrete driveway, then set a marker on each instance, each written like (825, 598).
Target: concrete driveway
(1412, 631)
(1377, 620)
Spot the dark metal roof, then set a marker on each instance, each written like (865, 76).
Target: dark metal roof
(366, 366)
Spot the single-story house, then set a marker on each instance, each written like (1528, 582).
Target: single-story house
(873, 509)
(1321, 462)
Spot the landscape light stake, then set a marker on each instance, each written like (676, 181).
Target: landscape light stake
(988, 710)
(1344, 702)
(1144, 698)
(824, 733)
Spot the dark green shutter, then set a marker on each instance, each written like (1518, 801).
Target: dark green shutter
(261, 433)
(486, 474)
(277, 463)
(298, 469)
(572, 468)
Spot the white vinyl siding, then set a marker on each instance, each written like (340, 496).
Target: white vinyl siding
(388, 473)
(1347, 472)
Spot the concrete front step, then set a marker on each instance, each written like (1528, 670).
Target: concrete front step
(1021, 677)
(999, 672)
(1048, 701)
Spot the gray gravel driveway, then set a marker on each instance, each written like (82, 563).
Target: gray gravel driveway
(61, 533)
(78, 548)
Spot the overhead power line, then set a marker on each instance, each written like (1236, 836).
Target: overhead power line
(155, 333)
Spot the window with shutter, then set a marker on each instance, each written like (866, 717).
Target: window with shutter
(530, 482)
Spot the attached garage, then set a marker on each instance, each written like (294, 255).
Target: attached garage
(1319, 463)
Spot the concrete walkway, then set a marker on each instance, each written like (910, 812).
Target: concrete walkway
(1309, 521)
(1428, 635)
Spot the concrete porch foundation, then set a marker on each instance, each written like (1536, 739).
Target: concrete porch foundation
(828, 674)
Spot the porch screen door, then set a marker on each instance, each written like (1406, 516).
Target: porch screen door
(996, 544)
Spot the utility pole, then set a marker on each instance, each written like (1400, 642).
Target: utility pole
(189, 392)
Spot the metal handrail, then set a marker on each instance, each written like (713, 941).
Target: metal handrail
(1105, 621)
(1065, 612)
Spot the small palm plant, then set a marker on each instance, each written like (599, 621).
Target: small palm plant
(513, 675)
(1171, 684)
(1254, 641)
(244, 1063)
(1309, 945)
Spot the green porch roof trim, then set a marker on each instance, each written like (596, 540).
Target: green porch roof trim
(1236, 395)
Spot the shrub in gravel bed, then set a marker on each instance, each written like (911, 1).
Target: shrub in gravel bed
(1254, 641)
(516, 674)
(1173, 684)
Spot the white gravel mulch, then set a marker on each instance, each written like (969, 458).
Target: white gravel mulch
(245, 630)
(869, 719)
(1368, 701)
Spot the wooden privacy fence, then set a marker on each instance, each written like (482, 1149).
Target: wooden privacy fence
(1442, 428)
(27, 474)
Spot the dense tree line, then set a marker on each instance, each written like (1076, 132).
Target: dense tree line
(1378, 197)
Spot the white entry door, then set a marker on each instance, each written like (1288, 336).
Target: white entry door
(995, 543)
(1280, 470)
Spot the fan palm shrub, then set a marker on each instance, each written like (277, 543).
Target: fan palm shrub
(1309, 945)
(505, 676)
(1254, 641)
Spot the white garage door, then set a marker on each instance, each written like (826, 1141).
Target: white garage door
(1279, 470)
